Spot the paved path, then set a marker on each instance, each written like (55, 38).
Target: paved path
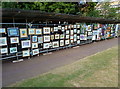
(13, 72)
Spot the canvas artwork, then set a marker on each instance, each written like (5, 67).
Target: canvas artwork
(71, 37)
(82, 36)
(26, 53)
(34, 45)
(67, 36)
(38, 31)
(14, 40)
(13, 49)
(34, 38)
(55, 28)
(13, 31)
(67, 42)
(3, 50)
(52, 37)
(52, 30)
(89, 33)
(72, 26)
(23, 33)
(46, 45)
(63, 29)
(3, 41)
(26, 44)
(2, 30)
(72, 32)
(75, 30)
(31, 31)
(46, 30)
(62, 36)
(57, 36)
(61, 42)
(67, 31)
(35, 51)
(47, 38)
(40, 40)
(55, 44)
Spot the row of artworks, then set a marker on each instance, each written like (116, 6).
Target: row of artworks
(30, 41)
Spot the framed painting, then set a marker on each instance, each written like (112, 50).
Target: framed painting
(71, 41)
(46, 30)
(47, 38)
(75, 37)
(55, 28)
(78, 31)
(66, 27)
(38, 31)
(75, 26)
(71, 32)
(63, 29)
(35, 51)
(89, 33)
(52, 30)
(78, 41)
(55, 44)
(2, 30)
(75, 30)
(14, 40)
(89, 28)
(3, 41)
(40, 40)
(3, 50)
(13, 49)
(67, 42)
(23, 33)
(34, 45)
(78, 26)
(31, 31)
(67, 31)
(46, 45)
(71, 37)
(57, 36)
(82, 36)
(69, 26)
(34, 38)
(52, 37)
(13, 31)
(62, 36)
(61, 42)
(78, 37)
(67, 36)
(26, 53)
(26, 44)
(59, 27)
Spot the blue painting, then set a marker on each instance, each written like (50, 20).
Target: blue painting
(13, 31)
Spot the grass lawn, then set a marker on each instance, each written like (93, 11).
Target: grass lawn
(98, 70)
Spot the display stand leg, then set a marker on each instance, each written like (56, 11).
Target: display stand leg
(18, 60)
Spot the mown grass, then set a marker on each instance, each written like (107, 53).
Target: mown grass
(98, 70)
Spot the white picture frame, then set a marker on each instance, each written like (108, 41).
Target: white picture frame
(40, 39)
(35, 51)
(25, 53)
(34, 38)
(26, 44)
(14, 40)
(67, 31)
(63, 29)
(78, 41)
(71, 32)
(31, 31)
(61, 42)
(46, 30)
(3, 50)
(62, 36)
(67, 42)
(2, 30)
(55, 29)
(46, 45)
(3, 41)
(23, 33)
(67, 36)
(46, 38)
(38, 31)
(13, 50)
(34, 45)
(71, 37)
(75, 30)
(55, 44)
(57, 36)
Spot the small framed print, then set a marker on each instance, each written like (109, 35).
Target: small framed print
(72, 32)
(55, 28)
(46, 45)
(78, 37)
(55, 44)
(34, 45)
(63, 29)
(67, 42)
(3, 50)
(34, 38)
(71, 37)
(57, 36)
(71, 41)
(89, 33)
(75, 37)
(83, 37)
(26, 44)
(66, 27)
(46, 30)
(61, 42)
(78, 26)
(78, 31)
(62, 36)
(72, 26)
(78, 41)
(23, 33)
(67, 31)
(2, 30)
(13, 31)
(59, 27)
(52, 37)
(14, 40)
(69, 26)
(35, 51)
(31, 31)
(47, 38)
(3, 41)
(38, 31)
(26, 53)
(67, 36)
(13, 49)
(75, 30)
(40, 40)
(75, 26)
(89, 28)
